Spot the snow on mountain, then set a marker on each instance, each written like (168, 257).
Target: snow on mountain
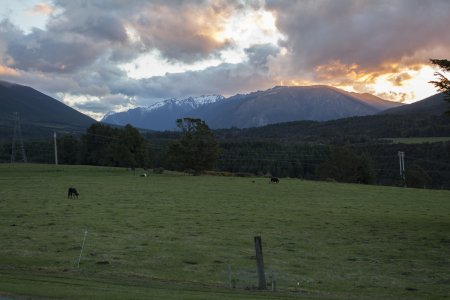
(276, 105)
(109, 113)
(161, 115)
(193, 102)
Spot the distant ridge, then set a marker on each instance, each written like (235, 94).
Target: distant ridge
(276, 105)
(290, 103)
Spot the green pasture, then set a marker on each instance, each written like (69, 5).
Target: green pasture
(418, 140)
(174, 236)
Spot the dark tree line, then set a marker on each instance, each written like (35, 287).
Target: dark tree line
(271, 158)
(194, 148)
(354, 130)
(302, 160)
(343, 158)
(101, 145)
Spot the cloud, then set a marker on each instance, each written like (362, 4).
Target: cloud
(179, 30)
(5, 71)
(83, 32)
(259, 55)
(100, 104)
(398, 80)
(181, 33)
(364, 33)
(42, 8)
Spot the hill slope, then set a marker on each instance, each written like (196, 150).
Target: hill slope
(434, 105)
(37, 109)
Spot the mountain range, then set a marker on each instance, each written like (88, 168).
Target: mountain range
(276, 105)
(161, 115)
(41, 115)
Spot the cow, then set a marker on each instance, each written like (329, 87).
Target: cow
(72, 193)
(274, 180)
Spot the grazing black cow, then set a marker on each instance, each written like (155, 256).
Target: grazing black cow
(274, 180)
(72, 193)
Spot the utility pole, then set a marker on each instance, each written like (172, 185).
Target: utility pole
(56, 148)
(17, 136)
(401, 159)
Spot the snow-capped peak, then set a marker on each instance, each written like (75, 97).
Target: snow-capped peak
(201, 100)
(108, 114)
(193, 102)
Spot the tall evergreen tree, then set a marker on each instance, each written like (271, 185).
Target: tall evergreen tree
(197, 149)
(443, 83)
(129, 149)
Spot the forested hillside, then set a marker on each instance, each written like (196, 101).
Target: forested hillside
(354, 130)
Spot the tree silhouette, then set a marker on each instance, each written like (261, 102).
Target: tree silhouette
(197, 149)
(129, 149)
(120, 147)
(443, 83)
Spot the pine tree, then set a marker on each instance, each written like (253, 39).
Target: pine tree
(443, 83)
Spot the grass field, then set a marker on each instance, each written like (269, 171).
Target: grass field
(172, 236)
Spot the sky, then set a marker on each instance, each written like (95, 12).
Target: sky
(112, 55)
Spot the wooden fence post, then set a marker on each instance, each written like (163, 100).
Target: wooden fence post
(260, 263)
